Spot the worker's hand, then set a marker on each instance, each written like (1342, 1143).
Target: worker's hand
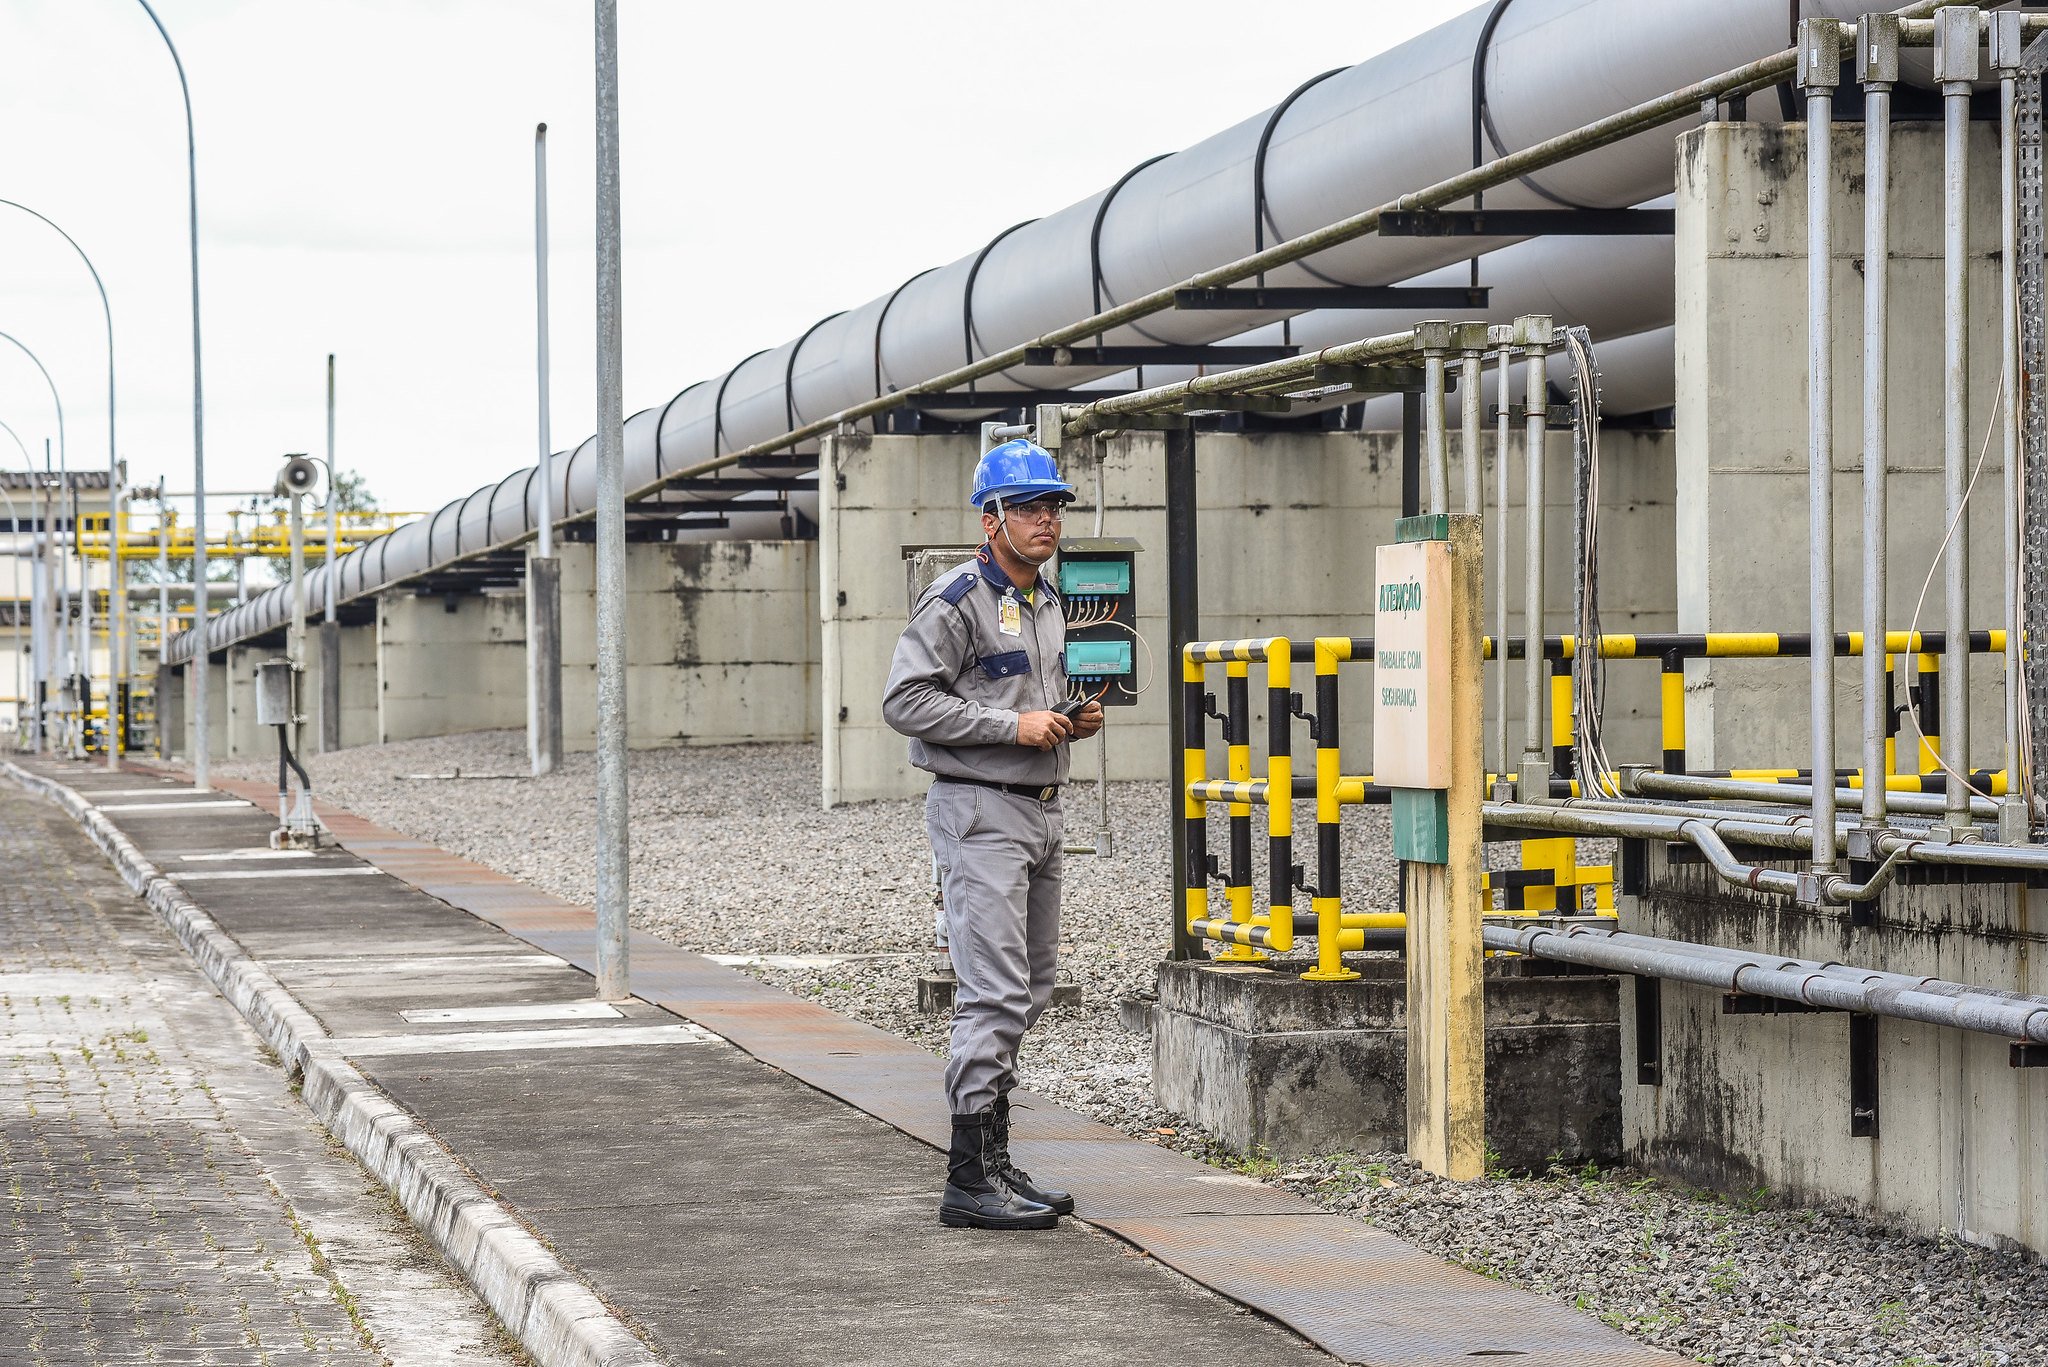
(1043, 730)
(1089, 721)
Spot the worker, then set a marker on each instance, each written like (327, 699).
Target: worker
(979, 685)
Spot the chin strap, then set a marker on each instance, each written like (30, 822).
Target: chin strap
(1003, 521)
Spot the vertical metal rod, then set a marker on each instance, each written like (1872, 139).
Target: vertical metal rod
(1955, 71)
(1104, 838)
(1184, 624)
(1411, 453)
(1501, 449)
(14, 600)
(1468, 432)
(613, 833)
(297, 649)
(201, 694)
(1435, 437)
(163, 621)
(540, 335)
(1878, 60)
(543, 573)
(1822, 63)
(84, 619)
(330, 625)
(333, 504)
(2012, 810)
(1535, 773)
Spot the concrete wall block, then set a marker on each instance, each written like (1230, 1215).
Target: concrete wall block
(1741, 368)
(1758, 1101)
(441, 673)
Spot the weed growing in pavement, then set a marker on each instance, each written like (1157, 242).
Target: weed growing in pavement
(1891, 1319)
(342, 1295)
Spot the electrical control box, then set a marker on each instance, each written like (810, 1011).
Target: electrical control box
(1097, 582)
(274, 693)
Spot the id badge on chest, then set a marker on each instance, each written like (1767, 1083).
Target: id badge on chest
(1010, 616)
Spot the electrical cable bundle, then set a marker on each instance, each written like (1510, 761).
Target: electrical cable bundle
(1589, 669)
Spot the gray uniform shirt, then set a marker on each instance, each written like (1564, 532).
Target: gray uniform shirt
(958, 682)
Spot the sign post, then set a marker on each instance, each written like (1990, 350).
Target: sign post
(1428, 745)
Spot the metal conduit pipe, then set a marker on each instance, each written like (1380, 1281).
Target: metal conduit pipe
(2014, 825)
(1619, 819)
(1702, 836)
(1877, 62)
(1471, 366)
(1745, 790)
(1820, 65)
(1681, 961)
(1341, 156)
(1535, 770)
(1501, 449)
(1956, 66)
(1436, 441)
(1833, 969)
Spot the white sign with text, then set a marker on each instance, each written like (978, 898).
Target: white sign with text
(1411, 712)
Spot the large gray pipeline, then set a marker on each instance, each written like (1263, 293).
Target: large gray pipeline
(1356, 138)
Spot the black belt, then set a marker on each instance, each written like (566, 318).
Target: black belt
(1037, 792)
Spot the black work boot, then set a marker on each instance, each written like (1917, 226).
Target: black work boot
(978, 1191)
(1020, 1180)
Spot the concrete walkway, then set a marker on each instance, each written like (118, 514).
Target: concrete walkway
(780, 1207)
(167, 1198)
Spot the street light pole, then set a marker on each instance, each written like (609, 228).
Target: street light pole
(330, 623)
(543, 571)
(117, 612)
(201, 733)
(613, 882)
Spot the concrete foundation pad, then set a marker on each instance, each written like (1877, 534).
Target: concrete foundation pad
(1269, 1061)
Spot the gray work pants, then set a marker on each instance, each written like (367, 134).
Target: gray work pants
(999, 862)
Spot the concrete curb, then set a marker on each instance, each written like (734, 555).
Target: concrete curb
(558, 1319)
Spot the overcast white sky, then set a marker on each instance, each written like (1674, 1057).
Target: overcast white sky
(365, 188)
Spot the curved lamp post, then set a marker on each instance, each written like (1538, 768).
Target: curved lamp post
(14, 558)
(201, 734)
(117, 614)
(35, 608)
(64, 477)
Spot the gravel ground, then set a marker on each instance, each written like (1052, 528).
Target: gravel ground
(732, 855)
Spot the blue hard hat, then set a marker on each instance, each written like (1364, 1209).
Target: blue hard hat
(1018, 471)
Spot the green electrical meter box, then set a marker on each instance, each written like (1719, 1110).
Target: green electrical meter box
(1094, 576)
(1097, 584)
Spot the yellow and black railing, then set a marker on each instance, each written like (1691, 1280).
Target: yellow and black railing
(1549, 877)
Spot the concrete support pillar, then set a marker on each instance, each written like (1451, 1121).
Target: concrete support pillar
(245, 739)
(217, 688)
(1741, 367)
(544, 662)
(342, 679)
(170, 710)
(449, 664)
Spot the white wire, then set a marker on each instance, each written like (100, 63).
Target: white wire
(1913, 626)
(1151, 668)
